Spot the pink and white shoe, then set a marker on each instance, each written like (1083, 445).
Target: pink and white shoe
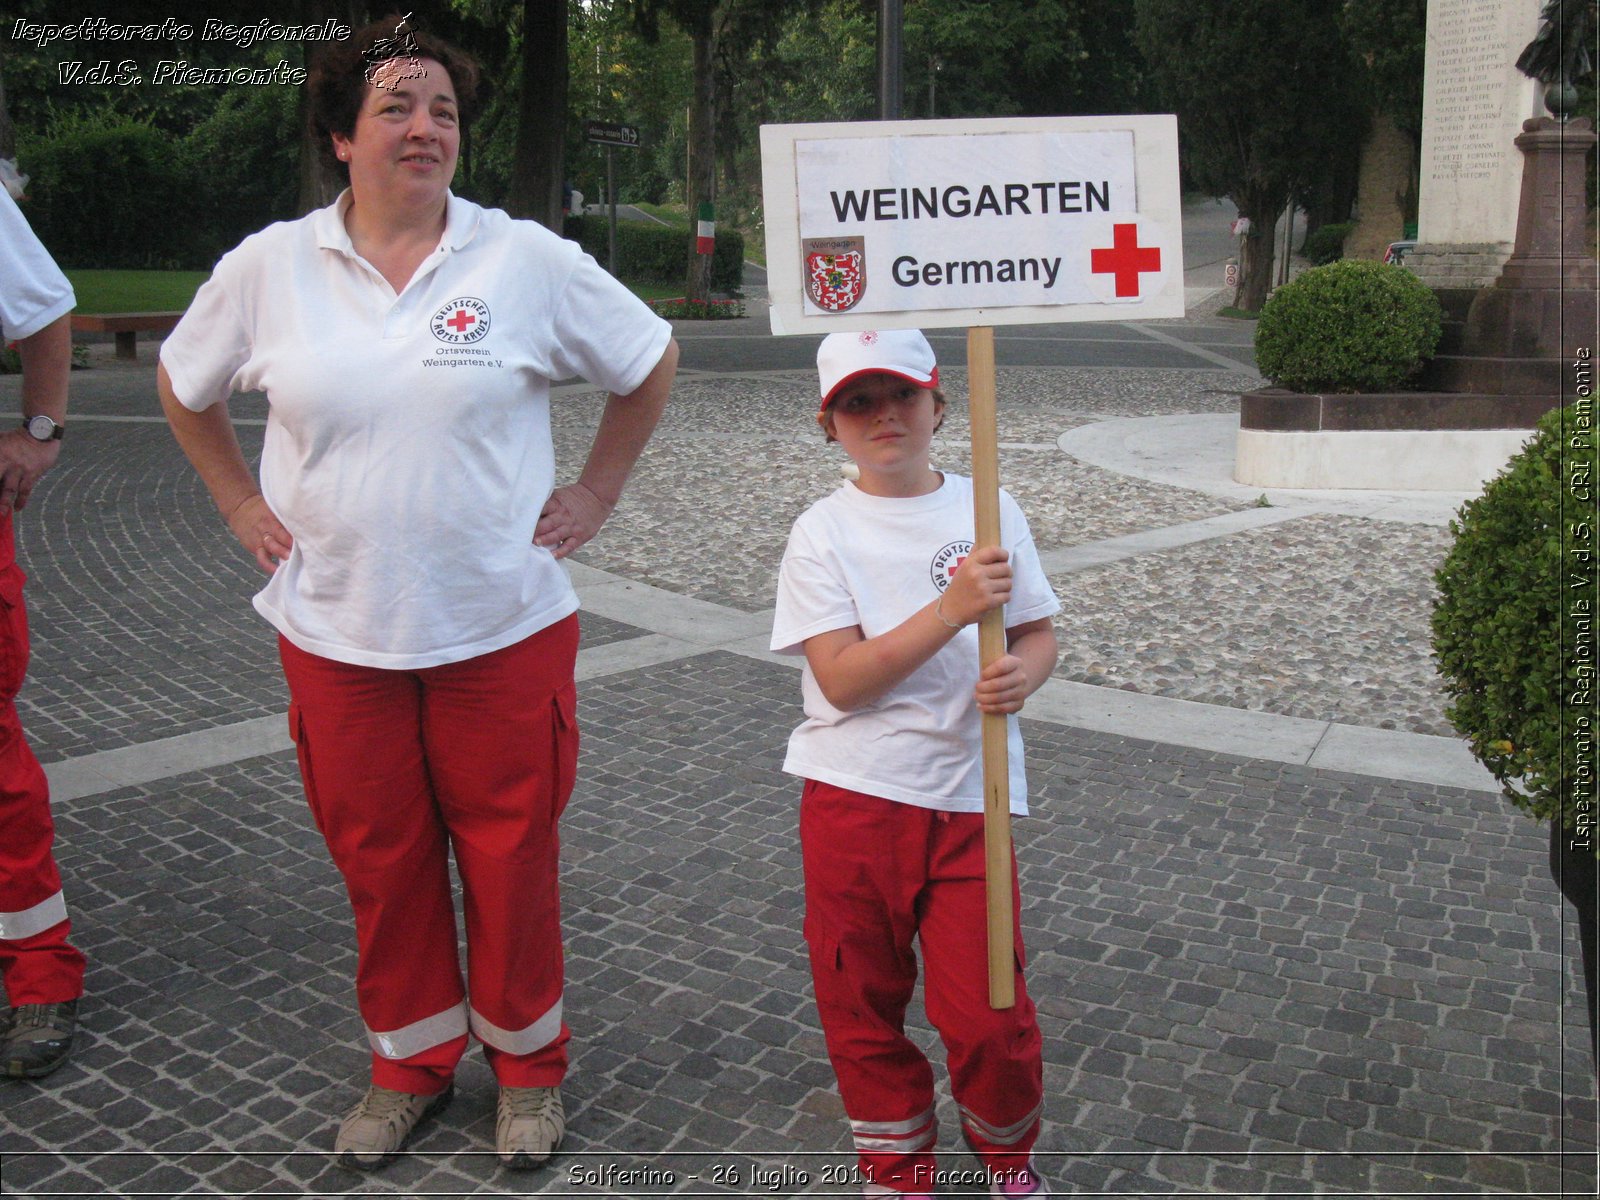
(1018, 1183)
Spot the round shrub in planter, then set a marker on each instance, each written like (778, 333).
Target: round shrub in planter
(1351, 326)
(1515, 635)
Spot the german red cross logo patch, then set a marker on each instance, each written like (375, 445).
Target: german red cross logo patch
(947, 562)
(461, 321)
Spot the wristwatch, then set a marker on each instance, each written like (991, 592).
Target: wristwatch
(43, 429)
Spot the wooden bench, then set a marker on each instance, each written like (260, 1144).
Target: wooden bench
(126, 327)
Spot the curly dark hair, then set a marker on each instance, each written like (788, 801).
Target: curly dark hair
(340, 75)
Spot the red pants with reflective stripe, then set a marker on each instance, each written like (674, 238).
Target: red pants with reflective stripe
(37, 964)
(878, 874)
(402, 767)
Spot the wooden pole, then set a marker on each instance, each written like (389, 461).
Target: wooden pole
(991, 645)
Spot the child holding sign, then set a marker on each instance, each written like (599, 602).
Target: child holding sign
(880, 590)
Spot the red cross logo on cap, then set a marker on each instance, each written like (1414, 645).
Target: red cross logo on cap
(1125, 259)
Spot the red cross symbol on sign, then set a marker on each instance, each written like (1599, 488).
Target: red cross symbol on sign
(1125, 259)
(463, 318)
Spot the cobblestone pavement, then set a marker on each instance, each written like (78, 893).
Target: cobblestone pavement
(1254, 976)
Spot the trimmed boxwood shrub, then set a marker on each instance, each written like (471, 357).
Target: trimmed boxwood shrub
(654, 253)
(1325, 243)
(1513, 626)
(1350, 326)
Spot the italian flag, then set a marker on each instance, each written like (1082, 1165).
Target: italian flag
(706, 232)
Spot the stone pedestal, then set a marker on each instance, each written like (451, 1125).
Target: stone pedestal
(1520, 334)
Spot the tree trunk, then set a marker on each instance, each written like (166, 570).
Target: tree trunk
(1386, 190)
(701, 186)
(1258, 255)
(319, 184)
(538, 165)
(8, 133)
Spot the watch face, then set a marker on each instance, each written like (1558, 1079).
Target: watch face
(41, 427)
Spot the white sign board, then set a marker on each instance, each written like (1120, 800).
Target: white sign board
(892, 224)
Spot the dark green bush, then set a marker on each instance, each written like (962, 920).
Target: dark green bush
(1514, 628)
(109, 191)
(1350, 326)
(1325, 243)
(247, 162)
(653, 253)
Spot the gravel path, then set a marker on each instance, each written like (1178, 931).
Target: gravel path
(1321, 616)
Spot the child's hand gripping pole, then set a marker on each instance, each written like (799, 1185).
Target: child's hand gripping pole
(991, 645)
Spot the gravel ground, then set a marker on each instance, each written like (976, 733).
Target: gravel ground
(1323, 616)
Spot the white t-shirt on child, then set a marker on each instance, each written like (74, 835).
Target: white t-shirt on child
(872, 561)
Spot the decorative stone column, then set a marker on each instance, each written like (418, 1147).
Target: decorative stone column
(1520, 332)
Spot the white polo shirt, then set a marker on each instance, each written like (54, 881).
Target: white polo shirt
(33, 291)
(408, 445)
(858, 559)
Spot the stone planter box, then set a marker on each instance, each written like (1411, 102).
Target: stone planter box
(1400, 441)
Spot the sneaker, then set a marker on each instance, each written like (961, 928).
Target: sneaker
(1023, 1183)
(37, 1038)
(378, 1128)
(528, 1126)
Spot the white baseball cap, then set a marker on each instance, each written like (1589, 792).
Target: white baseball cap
(904, 353)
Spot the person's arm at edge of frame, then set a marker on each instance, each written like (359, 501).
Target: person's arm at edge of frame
(208, 441)
(46, 356)
(575, 512)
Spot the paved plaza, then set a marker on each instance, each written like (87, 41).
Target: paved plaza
(1284, 935)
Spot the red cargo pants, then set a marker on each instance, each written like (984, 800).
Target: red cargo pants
(400, 768)
(878, 874)
(37, 964)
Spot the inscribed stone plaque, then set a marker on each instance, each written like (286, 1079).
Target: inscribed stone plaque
(1474, 103)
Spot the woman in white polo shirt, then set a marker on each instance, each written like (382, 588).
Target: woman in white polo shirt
(406, 340)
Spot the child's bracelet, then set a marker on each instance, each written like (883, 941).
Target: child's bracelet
(938, 611)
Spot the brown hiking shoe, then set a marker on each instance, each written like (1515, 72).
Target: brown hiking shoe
(37, 1038)
(375, 1130)
(528, 1126)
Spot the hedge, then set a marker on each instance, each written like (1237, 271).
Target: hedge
(651, 253)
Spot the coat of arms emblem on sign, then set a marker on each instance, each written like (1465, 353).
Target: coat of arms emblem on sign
(836, 271)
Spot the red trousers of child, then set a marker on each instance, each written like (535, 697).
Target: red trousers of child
(878, 874)
(37, 964)
(400, 768)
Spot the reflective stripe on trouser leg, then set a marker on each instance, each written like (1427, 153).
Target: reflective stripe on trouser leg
(420, 1036)
(358, 734)
(896, 1137)
(49, 912)
(502, 744)
(862, 857)
(37, 963)
(995, 1055)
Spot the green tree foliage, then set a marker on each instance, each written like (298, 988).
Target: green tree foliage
(1265, 96)
(619, 75)
(1389, 41)
(1513, 628)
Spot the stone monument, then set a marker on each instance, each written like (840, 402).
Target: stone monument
(1474, 101)
(1509, 338)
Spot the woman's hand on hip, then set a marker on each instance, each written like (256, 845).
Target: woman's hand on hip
(260, 532)
(571, 516)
